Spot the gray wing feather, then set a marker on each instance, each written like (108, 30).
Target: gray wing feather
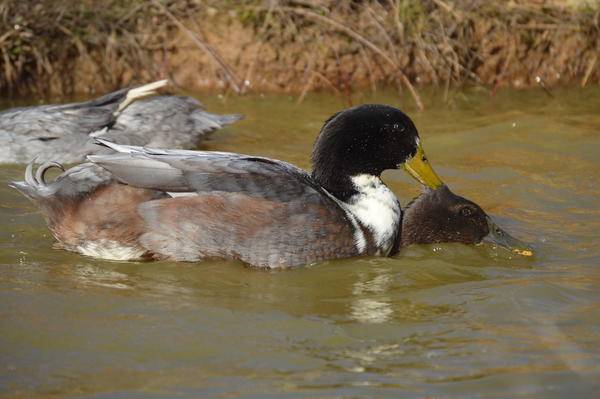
(59, 120)
(55, 132)
(166, 121)
(207, 171)
(63, 132)
(143, 172)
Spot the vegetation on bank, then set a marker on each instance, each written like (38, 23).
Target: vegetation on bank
(58, 47)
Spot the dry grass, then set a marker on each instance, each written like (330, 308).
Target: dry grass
(58, 47)
(52, 46)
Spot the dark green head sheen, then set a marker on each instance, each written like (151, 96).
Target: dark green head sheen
(366, 139)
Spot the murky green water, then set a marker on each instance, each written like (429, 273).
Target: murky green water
(441, 321)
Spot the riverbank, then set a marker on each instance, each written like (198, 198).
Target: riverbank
(61, 48)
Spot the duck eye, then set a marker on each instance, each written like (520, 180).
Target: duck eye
(466, 212)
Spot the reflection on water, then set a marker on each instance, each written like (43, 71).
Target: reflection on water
(369, 310)
(436, 321)
(372, 305)
(95, 276)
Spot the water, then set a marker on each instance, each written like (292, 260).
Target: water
(436, 321)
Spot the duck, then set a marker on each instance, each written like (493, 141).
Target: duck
(440, 216)
(137, 116)
(146, 204)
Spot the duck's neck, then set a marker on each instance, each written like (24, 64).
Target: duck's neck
(374, 209)
(340, 185)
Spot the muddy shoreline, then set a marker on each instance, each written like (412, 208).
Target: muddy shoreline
(57, 49)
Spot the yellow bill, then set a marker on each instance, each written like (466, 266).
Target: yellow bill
(418, 167)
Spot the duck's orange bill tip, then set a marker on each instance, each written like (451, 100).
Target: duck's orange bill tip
(523, 252)
(501, 238)
(419, 168)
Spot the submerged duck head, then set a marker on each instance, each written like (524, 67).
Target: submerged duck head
(438, 216)
(368, 139)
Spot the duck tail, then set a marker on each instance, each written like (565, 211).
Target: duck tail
(228, 119)
(60, 197)
(34, 186)
(207, 122)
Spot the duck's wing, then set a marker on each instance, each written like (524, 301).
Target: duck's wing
(49, 122)
(165, 121)
(264, 212)
(208, 172)
(63, 132)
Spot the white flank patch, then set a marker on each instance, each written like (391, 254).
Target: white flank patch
(375, 207)
(111, 250)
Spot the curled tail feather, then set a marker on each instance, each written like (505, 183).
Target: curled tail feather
(34, 186)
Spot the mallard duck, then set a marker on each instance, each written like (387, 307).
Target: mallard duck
(64, 133)
(183, 205)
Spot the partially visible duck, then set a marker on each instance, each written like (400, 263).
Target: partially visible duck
(191, 205)
(440, 216)
(64, 133)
